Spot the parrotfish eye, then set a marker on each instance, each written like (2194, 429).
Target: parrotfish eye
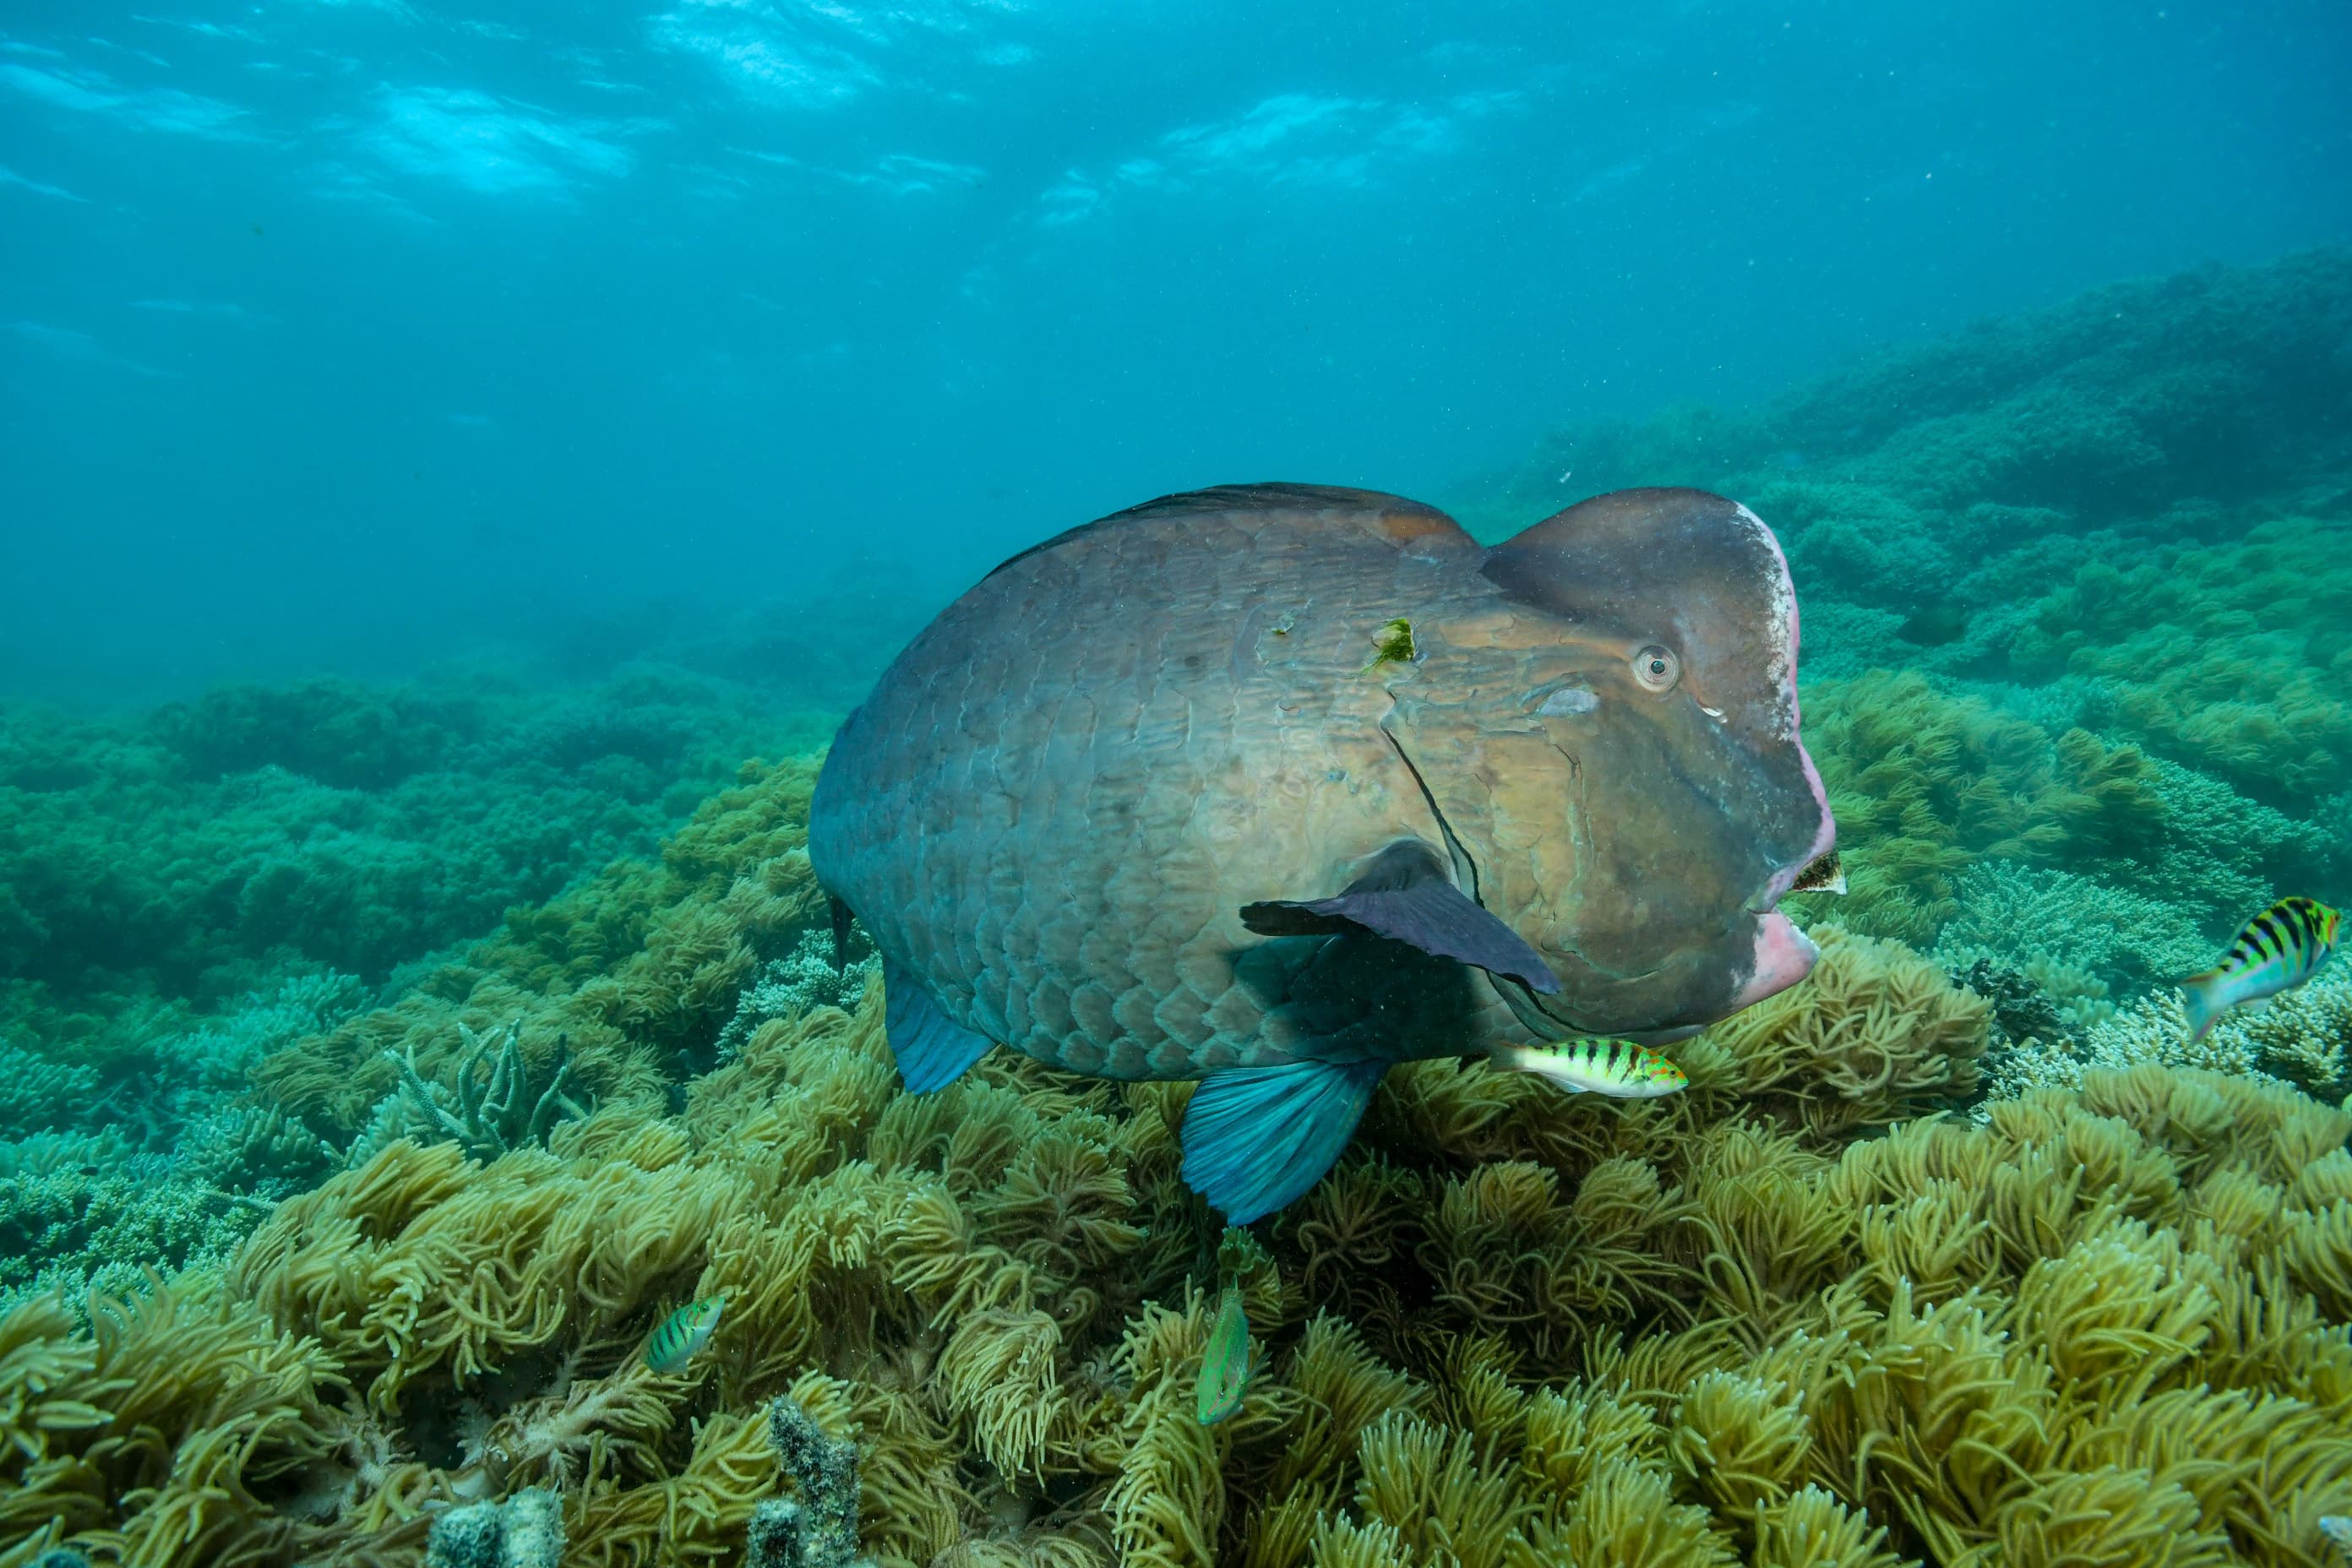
(1655, 669)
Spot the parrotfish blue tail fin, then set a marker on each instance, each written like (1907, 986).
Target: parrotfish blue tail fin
(2201, 995)
(1257, 1139)
(933, 1049)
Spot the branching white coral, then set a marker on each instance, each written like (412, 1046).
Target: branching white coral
(2069, 924)
(2306, 1035)
(2303, 1037)
(791, 985)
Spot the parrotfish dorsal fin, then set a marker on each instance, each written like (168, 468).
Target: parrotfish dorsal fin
(1399, 521)
(1405, 894)
(933, 1050)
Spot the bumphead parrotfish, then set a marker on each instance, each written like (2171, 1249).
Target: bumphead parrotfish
(1276, 785)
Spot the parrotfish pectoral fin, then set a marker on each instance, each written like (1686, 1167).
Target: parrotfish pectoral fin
(1406, 895)
(1257, 1139)
(933, 1050)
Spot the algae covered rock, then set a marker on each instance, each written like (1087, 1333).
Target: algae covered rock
(819, 1528)
(525, 1530)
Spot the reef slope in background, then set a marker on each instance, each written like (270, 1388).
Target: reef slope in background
(2079, 646)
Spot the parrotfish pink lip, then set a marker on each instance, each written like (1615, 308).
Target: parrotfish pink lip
(1784, 955)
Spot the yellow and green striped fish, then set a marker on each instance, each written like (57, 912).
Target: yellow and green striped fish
(682, 1333)
(1225, 1363)
(1619, 1068)
(2276, 951)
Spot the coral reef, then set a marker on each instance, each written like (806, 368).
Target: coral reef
(2076, 938)
(212, 847)
(633, 973)
(493, 1108)
(1725, 1327)
(2302, 1038)
(805, 978)
(819, 1528)
(2219, 653)
(525, 1530)
(35, 1093)
(1924, 785)
(89, 1227)
(377, 1077)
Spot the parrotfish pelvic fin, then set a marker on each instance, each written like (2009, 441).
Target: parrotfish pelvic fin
(1257, 1139)
(1407, 893)
(841, 916)
(933, 1050)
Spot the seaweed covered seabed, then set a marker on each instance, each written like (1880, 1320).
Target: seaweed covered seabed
(1954, 1253)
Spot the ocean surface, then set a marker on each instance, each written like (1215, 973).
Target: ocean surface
(460, 465)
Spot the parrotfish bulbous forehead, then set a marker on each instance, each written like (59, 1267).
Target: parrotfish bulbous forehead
(1692, 804)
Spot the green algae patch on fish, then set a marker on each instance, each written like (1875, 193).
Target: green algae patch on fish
(1392, 644)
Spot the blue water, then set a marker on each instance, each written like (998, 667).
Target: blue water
(333, 336)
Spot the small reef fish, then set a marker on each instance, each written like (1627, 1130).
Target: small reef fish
(1825, 875)
(2337, 1529)
(1619, 1068)
(1934, 625)
(1225, 1363)
(683, 1332)
(1132, 808)
(2276, 951)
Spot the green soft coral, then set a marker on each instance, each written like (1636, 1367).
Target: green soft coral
(1794, 1316)
(2231, 657)
(638, 969)
(197, 849)
(1925, 783)
(493, 1105)
(1511, 1323)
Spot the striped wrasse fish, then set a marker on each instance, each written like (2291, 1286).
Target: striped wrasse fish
(1616, 1067)
(2276, 951)
(683, 1332)
(1225, 1363)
